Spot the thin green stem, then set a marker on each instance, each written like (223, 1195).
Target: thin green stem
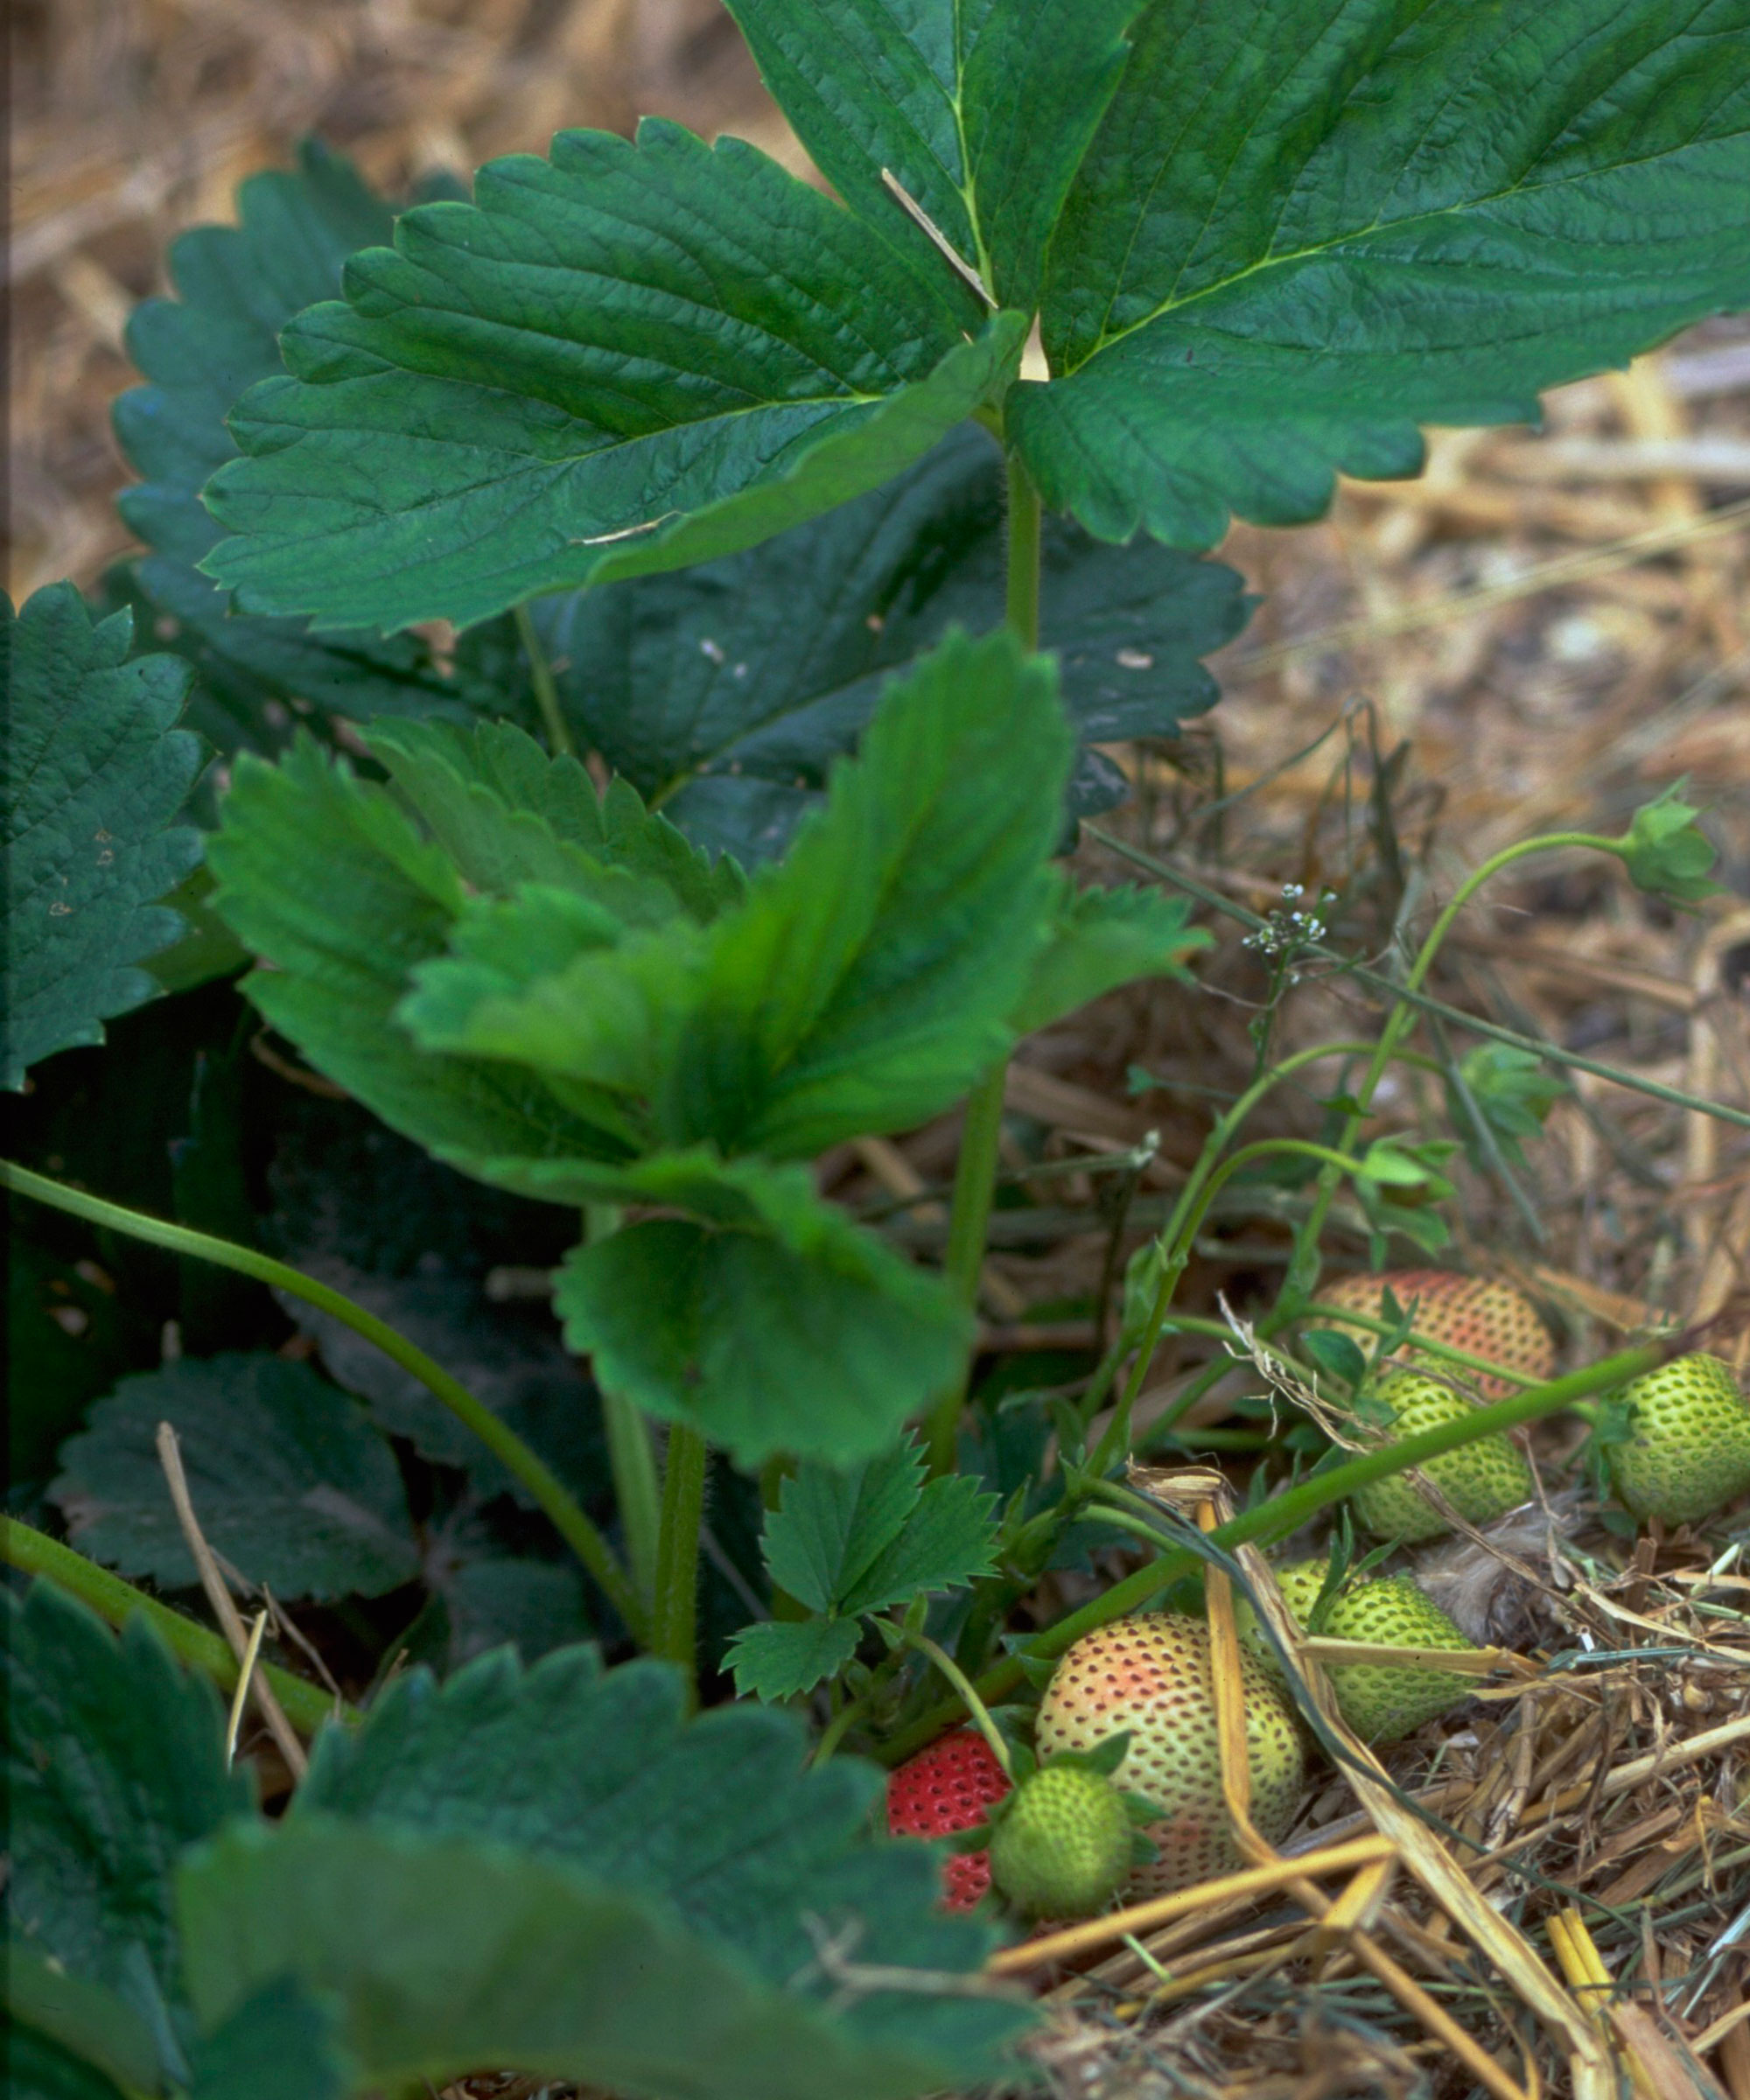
(1552, 1054)
(969, 1697)
(975, 1184)
(546, 691)
(632, 1458)
(572, 1524)
(34, 1552)
(674, 1623)
(1285, 1513)
(1022, 602)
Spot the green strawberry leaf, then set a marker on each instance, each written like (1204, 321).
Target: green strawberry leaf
(543, 1968)
(722, 352)
(948, 1539)
(1305, 228)
(328, 882)
(863, 986)
(782, 1658)
(94, 770)
(725, 1320)
(292, 1481)
(726, 692)
(1666, 851)
(719, 1821)
(1336, 1354)
(283, 2042)
(67, 2034)
(115, 1764)
(980, 114)
(830, 1527)
(238, 287)
(1100, 939)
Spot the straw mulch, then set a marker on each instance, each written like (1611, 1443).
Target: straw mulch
(1540, 634)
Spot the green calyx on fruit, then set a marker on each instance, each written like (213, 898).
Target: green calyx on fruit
(1687, 1453)
(1482, 1481)
(1382, 1702)
(1150, 1677)
(1474, 1313)
(1064, 1842)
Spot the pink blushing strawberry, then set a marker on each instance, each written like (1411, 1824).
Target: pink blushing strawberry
(947, 1788)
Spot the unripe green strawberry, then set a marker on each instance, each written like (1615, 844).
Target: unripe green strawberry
(1062, 1845)
(1468, 1313)
(1380, 1702)
(1482, 1481)
(1150, 1675)
(1688, 1452)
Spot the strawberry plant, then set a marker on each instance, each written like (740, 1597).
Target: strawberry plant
(621, 654)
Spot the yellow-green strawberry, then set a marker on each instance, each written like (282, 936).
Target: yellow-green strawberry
(1468, 1313)
(1687, 1449)
(1483, 1480)
(1150, 1675)
(1379, 1702)
(1062, 1842)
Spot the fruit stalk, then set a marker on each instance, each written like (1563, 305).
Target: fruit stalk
(674, 1619)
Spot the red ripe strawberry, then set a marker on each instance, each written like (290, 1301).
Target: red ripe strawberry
(947, 1788)
(1470, 1312)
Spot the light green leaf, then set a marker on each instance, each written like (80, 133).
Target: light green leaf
(729, 690)
(1102, 939)
(830, 1528)
(785, 1658)
(292, 1481)
(94, 771)
(1666, 851)
(1306, 226)
(628, 358)
(1512, 1090)
(776, 1326)
(115, 1763)
(543, 1969)
(237, 287)
(981, 113)
(719, 1821)
(869, 978)
(947, 1540)
(326, 880)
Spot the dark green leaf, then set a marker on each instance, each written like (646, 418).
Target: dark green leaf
(115, 1763)
(727, 692)
(718, 1821)
(1334, 1353)
(626, 358)
(830, 1528)
(282, 2043)
(780, 1326)
(542, 1969)
(291, 1480)
(532, 1606)
(326, 880)
(86, 2020)
(781, 1658)
(981, 114)
(1102, 939)
(238, 287)
(1306, 226)
(36, 2067)
(95, 769)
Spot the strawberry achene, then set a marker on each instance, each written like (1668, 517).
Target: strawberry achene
(947, 1788)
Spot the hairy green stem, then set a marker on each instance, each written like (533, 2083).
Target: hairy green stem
(1285, 1513)
(673, 1619)
(631, 1458)
(546, 691)
(34, 1552)
(1633, 1082)
(560, 1507)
